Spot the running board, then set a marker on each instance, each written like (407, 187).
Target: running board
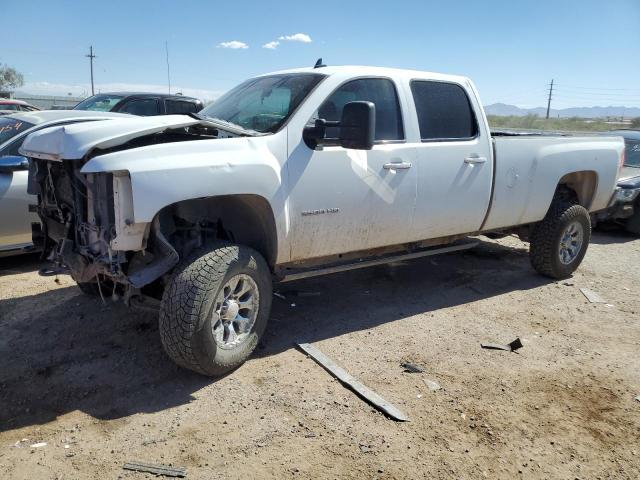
(336, 268)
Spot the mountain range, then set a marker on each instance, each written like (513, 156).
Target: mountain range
(503, 109)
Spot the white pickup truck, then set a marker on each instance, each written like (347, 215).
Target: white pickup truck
(300, 173)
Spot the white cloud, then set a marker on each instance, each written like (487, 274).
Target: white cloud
(297, 37)
(271, 45)
(233, 44)
(84, 89)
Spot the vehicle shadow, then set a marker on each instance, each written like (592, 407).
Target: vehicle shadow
(28, 262)
(610, 234)
(61, 351)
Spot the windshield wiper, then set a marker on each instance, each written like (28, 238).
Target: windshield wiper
(229, 126)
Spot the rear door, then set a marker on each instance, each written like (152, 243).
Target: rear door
(453, 159)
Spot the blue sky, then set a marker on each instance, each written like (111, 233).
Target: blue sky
(511, 49)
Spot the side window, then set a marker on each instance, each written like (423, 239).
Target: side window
(381, 92)
(179, 106)
(632, 153)
(142, 106)
(444, 111)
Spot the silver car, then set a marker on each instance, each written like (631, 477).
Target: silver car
(15, 219)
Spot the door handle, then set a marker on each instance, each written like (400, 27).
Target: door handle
(474, 160)
(397, 166)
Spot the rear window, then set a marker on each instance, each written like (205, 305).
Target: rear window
(10, 127)
(444, 111)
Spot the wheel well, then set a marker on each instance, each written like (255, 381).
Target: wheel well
(243, 219)
(584, 185)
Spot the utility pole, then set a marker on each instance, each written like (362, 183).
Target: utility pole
(91, 56)
(166, 48)
(549, 101)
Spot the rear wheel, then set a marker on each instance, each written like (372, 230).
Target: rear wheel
(215, 309)
(559, 242)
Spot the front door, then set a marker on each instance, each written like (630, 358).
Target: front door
(343, 200)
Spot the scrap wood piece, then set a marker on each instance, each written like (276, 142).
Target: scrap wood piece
(592, 296)
(156, 469)
(511, 347)
(349, 381)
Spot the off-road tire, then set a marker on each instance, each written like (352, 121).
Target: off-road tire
(186, 325)
(546, 236)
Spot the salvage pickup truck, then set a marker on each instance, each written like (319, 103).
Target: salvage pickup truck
(300, 173)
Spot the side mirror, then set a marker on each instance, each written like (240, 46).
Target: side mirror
(13, 163)
(358, 125)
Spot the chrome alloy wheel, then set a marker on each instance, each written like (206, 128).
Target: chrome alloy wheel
(235, 311)
(571, 242)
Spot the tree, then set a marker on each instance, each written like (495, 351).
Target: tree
(10, 78)
(635, 123)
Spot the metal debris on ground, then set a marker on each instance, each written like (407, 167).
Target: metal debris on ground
(156, 469)
(511, 347)
(349, 381)
(411, 368)
(279, 295)
(592, 296)
(433, 386)
(39, 445)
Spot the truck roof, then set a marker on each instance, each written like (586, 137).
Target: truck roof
(358, 70)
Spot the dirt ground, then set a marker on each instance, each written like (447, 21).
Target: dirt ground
(92, 381)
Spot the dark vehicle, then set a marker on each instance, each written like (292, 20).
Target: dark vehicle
(143, 104)
(625, 207)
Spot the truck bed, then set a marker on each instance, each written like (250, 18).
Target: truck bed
(527, 168)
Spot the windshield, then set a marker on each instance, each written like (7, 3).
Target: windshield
(632, 153)
(263, 104)
(10, 127)
(99, 103)
(9, 106)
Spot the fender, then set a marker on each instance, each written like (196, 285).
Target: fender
(164, 174)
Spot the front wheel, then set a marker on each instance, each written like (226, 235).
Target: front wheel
(215, 309)
(559, 242)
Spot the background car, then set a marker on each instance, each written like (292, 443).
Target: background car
(625, 208)
(8, 106)
(15, 219)
(144, 104)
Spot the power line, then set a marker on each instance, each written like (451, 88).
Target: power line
(91, 57)
(598, 88)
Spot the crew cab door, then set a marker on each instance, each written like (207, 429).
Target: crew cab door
(343, 200)
(453, 160)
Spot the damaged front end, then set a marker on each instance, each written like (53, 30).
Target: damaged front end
(88, 228)
(84, 231)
